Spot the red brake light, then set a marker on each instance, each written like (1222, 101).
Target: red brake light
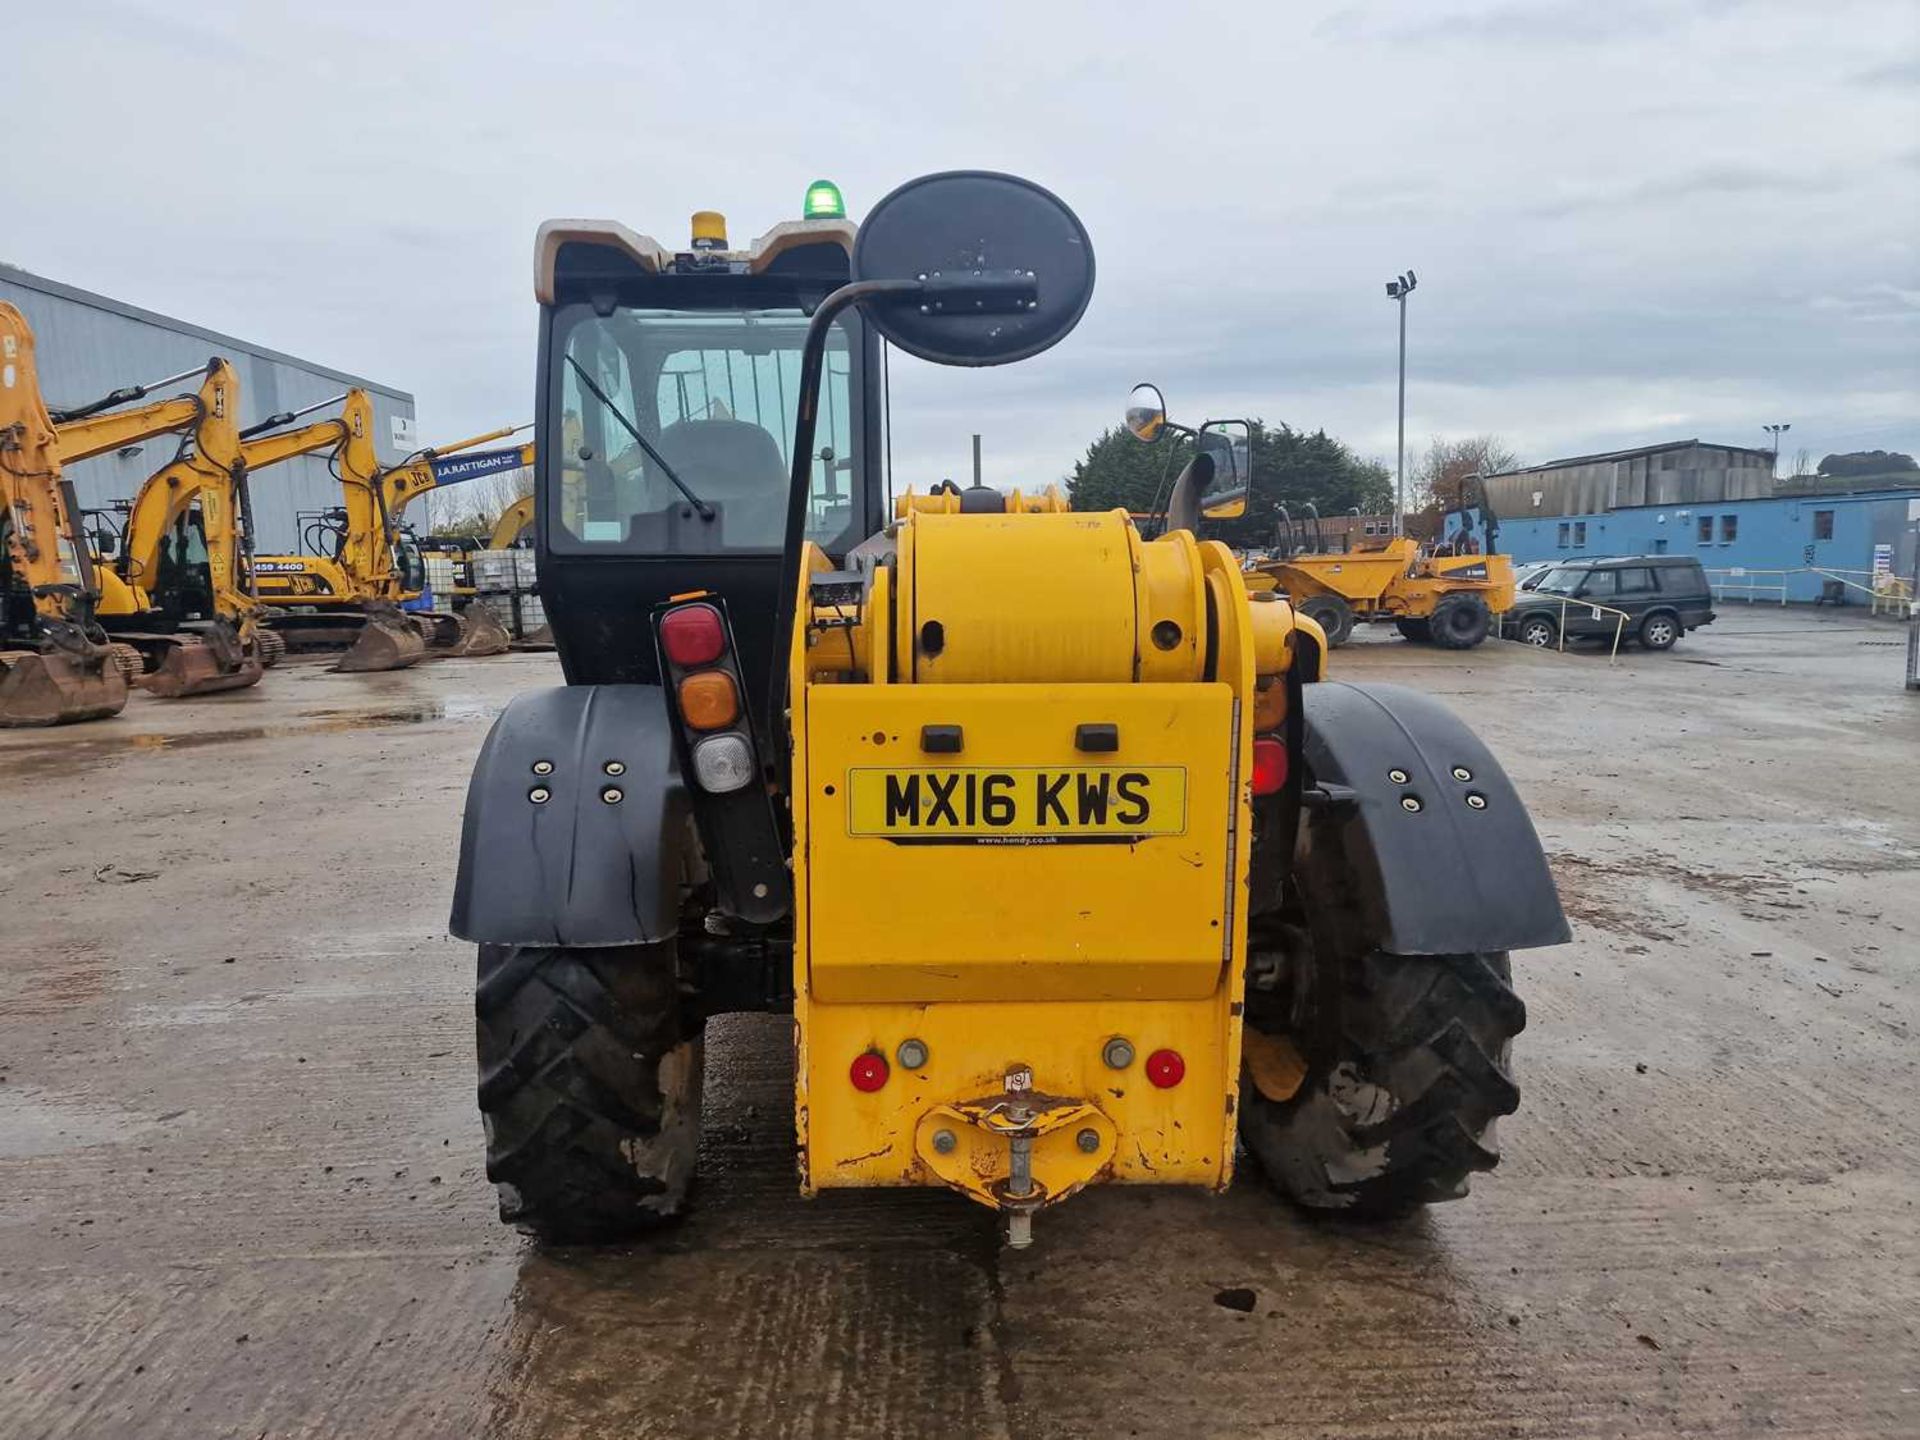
(868, 1072)
(1269, 766)
(693, 635)
(1166, 1069)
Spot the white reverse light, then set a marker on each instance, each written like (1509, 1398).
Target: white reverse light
(722, 763)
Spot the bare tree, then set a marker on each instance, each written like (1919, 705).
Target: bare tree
(474, 506)
(1802, 462)
(1437, 475)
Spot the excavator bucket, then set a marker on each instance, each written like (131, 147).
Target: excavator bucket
(388, 641)
(481, 632)
(193, 667)
(57, 689)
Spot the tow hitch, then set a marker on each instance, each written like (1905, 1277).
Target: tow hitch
(1016, 1151)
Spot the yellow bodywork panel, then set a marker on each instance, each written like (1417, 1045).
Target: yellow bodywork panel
(1028, 868)
(1020, 855)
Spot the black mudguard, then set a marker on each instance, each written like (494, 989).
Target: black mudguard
(579, 867)
(1449, 877)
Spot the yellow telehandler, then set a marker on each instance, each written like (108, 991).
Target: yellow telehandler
(1067, 860)
(176, 590)
(56, 665)
(353, 594)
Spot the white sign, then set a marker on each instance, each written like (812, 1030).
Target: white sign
(403, 433)
(1883, 560)
(1737, 571)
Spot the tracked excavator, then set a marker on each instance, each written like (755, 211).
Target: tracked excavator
(177, 590)
(353, 594)
(56, 665)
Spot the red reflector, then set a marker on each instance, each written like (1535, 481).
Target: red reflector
(693, 635)
(868, 1072)
(1269, 766)
(1166, 1069)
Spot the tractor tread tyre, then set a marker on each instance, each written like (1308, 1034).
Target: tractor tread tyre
(1460, 622)
(589, 1088)
(1405, 1109)
(1333, 615)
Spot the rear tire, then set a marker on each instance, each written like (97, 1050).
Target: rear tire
(1407, 1058)
(1460, 621)
(589, 1088)
(1416, 630)
(1659, 630)
(1332, 614)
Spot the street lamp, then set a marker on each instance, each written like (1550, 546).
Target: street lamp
(1397, 291)
(1776, 431)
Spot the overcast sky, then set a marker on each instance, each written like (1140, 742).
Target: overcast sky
(1632, 221)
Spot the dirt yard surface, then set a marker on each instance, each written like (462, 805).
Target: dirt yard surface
(239, 1155)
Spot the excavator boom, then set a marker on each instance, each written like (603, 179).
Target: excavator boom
(52, 670)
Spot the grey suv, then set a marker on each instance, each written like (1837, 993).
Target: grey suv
(1663, 597)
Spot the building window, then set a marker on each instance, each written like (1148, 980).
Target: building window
(1579, 534)
(1823, 524)
(1564, 528)
(1706, 529)
(1729, 529)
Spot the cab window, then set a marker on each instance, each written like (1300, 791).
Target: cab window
(677, 431)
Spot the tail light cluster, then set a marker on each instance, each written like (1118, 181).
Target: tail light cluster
(704, 676)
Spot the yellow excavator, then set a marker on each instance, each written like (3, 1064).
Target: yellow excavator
(355, 593)
(177, 589)
(56, 666)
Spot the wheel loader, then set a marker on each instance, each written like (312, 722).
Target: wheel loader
(56, 665)
(351, 596)
(1450, 596)
(176, 590)
(1068, 860)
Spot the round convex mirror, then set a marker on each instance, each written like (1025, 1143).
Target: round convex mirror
(1146, 412)
(941, 228)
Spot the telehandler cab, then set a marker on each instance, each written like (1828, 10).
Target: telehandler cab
(176, 590)
(1067, 861)
(56, 665)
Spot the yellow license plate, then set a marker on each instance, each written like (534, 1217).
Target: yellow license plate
(1017, 805)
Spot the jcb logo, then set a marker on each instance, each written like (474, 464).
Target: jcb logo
(1017, 805)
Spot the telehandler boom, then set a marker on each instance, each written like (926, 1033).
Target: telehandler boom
(56, 666)
(1066, 858)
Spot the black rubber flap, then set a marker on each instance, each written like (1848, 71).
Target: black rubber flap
(965, 221)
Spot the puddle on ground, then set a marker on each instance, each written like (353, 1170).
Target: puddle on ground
(94, 746)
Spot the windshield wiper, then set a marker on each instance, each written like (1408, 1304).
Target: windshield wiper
(705, 510)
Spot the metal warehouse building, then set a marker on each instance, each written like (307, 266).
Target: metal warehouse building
(1677, 473)
(89, 346)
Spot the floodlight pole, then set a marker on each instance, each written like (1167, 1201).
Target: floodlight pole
(1775, 431)
(1398, 289)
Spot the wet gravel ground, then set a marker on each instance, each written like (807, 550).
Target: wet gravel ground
(239, 1158)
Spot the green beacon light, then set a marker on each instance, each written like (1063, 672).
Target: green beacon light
(824, 202)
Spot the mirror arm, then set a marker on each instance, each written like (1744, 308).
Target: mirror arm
(813, 356)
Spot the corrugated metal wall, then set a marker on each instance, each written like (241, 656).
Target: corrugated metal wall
(89, 345)
(1803, 534)
(1683, 475)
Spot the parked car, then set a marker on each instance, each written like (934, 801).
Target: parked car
(1528, 576)
(1663, 597)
